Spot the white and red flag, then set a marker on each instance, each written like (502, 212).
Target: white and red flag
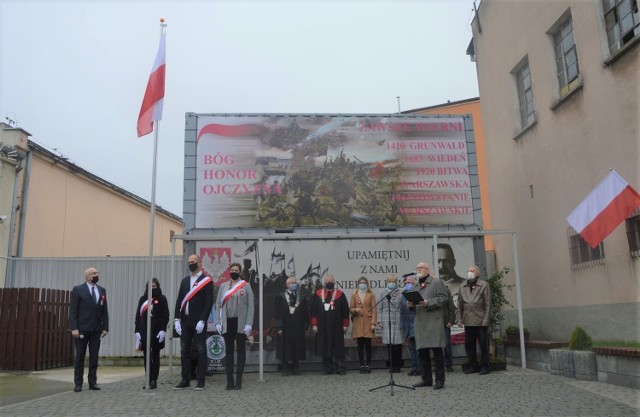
(612, 201)
(151, 109)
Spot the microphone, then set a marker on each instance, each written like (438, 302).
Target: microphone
(410, 274)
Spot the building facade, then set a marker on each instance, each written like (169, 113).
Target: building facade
(56, 209)
(559, 85)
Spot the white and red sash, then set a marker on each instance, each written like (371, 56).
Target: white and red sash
(229, 293)
(144, 306)
(194, 290)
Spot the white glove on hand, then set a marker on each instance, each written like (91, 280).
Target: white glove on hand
(178, 327)
(247, 329)
(161, 335)
(219, 328)
(200, 326)
(138, 341)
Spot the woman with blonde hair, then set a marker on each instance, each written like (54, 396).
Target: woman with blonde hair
(363, 316)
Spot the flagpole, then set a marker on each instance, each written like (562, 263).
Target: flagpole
(151, 237)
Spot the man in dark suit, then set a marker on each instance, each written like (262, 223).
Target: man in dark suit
(193, 306)
(89, 323)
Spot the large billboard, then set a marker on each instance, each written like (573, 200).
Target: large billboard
(277, 171)
(347, 260)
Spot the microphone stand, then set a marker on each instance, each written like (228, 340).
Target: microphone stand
(391, 381)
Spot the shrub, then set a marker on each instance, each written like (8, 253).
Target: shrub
(498, 297)
(580, 339)
(512, 328)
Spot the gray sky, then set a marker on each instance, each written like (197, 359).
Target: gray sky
(73, 73)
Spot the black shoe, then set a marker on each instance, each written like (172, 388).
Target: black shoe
(77, 388)
(182, 385)
(367, 369)
(438, 385)
(422, 384)
(484, 372)
(396, 371)
(449, 368)
(471, 371)
(94, 387)
(413, 372)
(362, 370)
(153, 385)
(200, 386)
(286, 373)
(295, 372)
(341, 372)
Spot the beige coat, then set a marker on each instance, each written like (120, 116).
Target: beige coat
(363, 320)
(474, 305)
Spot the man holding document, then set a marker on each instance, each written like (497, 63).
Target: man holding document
(428, 300)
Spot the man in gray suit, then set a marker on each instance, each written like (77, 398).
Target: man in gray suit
(234, 321)
(89, 323)
(429, 331)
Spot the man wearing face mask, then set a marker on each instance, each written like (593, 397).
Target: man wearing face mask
(89, 323)
(330, 321)
(234, 321)
(193, 305)
(428, 328)
(291, 323)
(474, 304)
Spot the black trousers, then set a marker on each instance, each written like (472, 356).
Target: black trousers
(188, 337)
(234, 341)
(92, 340)
(155, 357)
(479, 334)
(290, 352)
(364, 350)
(425, 362)
(395, 356)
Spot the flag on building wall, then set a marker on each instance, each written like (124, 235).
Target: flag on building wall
(151, 109)
(612, 201)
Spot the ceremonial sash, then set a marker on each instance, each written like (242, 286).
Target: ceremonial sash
(144, 306)
(227, 295)
(194, 290)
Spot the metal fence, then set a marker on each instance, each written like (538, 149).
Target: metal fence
(124, 279)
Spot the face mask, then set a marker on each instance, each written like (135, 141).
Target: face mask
(363, 287)
(235, 275)
(293, 287)
(95, 279)
(471, 276)
(392, 285)
(329, 285)
(193, 267)
(155, 292)
(408, 287)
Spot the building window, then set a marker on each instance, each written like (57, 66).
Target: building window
(566, 58)
(633, 233)
(622, 20)
(583, 255)
(525, 94)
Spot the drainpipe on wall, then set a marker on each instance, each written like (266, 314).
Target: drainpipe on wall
(23, 207)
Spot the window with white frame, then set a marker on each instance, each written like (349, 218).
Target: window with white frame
(632, 224)
(582, 255)
(566, 57)
(622, 20)
(525, 94)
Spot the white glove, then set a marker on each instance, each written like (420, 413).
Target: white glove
(178, 327)
(219, 328)
(247, 329)
(138, 341)
(161, 335)
(200, 326)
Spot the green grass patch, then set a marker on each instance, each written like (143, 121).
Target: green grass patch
(617, 343)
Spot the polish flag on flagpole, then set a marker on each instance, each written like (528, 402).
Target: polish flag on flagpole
(612, 201)
(151, 109)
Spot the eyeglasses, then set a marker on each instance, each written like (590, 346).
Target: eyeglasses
(193, 263)
(421, 267)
